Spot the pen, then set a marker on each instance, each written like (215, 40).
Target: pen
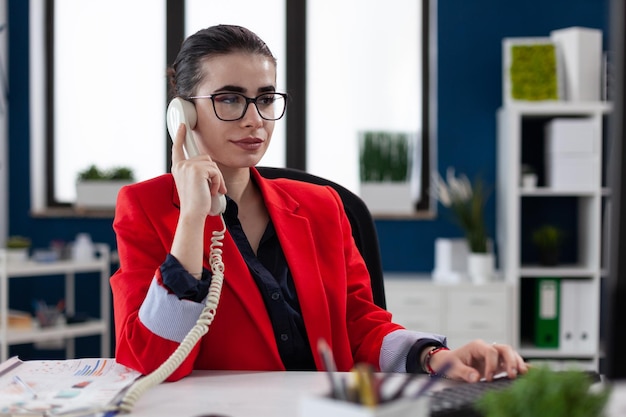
(24, 385)
(366, 385)
(336, 383)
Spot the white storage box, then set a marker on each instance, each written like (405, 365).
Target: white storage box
(571, 136)
(572, 172)
(571, 159)
(581, 52)
(98, 194)
(450, 260)
(328, 407)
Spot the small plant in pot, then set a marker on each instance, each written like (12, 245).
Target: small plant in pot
(544, 392)
(93, 173)
(548, 239)
(18, 248)
(97, 188)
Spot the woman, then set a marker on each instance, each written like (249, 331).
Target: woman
(293, 275)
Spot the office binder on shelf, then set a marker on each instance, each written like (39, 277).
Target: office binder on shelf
(547, 312)
(588, 320)
(579, 323)
(569, 315)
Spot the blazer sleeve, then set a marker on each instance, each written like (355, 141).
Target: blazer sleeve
(144, 232)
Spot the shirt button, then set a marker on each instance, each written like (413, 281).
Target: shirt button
(284, 337)
(275, 296)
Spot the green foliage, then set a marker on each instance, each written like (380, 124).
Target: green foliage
(470, 216)
(385, 156)
(18, 242)
(533, 72)
(466, 203)
(93, 173)
(548, 237)
(543, 392)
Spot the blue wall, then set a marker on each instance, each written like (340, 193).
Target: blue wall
(469, 83)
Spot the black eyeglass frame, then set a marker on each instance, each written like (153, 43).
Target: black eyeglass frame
(249, 100)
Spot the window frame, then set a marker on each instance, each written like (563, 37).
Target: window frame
(296, 78)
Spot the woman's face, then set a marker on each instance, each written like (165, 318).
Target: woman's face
(240, 143)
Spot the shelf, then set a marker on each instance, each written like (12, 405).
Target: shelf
(549, 192)
(37, 334)
(529, 351)
(559, 108)
(528, 134)
(570, 271)
(70, 269)
(31, 268)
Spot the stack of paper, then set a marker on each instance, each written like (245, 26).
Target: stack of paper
(61, 387)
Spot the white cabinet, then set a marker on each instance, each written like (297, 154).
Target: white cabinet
(66, 332)
(575, 202)
(462, 312)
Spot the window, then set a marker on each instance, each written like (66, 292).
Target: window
(107, 104)
(266, 19)
(364, 71)
(106, 87)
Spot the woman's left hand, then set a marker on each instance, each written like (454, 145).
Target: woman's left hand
(477, 360)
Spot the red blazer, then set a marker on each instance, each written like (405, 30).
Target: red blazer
(330, 277)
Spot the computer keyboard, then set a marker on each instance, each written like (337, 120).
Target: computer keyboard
(459, 400)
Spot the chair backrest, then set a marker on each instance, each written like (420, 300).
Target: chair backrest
(363, 228)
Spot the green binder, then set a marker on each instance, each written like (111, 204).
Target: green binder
(547, 297)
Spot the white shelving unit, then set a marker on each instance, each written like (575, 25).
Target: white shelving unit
(462, 312)
(522, 140)
(66, 332)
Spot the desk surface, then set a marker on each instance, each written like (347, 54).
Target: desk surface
(233, 394)
(260, 394)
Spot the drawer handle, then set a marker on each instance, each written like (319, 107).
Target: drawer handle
(479, 301)
(479, 325)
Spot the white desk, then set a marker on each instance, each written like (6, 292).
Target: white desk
(260, 394)
(232, 394)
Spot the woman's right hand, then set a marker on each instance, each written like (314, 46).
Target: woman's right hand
(197, 178)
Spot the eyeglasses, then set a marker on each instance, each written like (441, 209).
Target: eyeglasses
(233, 106)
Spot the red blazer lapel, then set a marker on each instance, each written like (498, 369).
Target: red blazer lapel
(299, 249)
(238, 284)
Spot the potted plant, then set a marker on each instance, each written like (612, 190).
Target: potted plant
(97, 188)
(544, 392)
(467, 202)
(528, 178)
(548, 240)
(17, 248)
(385, 163)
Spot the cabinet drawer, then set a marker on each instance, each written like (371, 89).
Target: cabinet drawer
(477, 311)
(419, 322)
(456, 340)
(416, 297)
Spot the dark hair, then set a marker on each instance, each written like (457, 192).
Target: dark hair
(186, 72)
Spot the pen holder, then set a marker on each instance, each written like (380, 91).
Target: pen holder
(326, 406)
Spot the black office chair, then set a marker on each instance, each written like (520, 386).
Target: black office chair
(363, 228)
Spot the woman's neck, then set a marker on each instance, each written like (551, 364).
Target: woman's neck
(238, 184)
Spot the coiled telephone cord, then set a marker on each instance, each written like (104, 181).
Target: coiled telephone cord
(139, 387)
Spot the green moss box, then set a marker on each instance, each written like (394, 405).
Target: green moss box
(531, 70)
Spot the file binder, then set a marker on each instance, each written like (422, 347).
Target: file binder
(547, 312)
(587, 319)
(569, 310)
(579, 323)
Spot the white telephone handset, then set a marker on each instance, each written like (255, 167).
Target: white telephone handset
(183, 111)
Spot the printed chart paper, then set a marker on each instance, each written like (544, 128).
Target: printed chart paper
(61, 387)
